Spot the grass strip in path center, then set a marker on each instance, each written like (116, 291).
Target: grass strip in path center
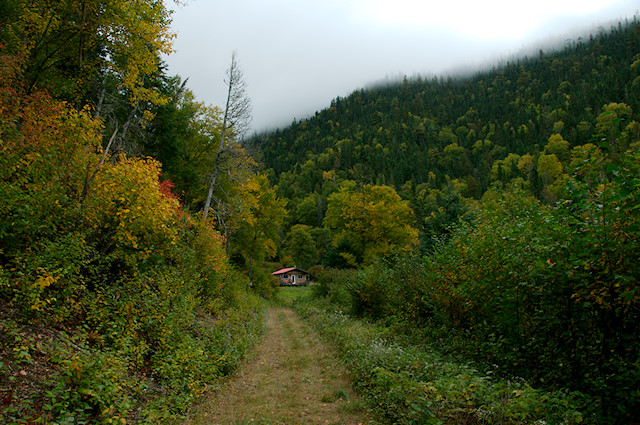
(293, 379)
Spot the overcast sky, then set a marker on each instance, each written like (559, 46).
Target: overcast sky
(298, 55)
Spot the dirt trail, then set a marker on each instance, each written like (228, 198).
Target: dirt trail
(292, 379)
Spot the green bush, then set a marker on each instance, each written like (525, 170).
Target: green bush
(264, 284)
(411, 383)
(334, 284)
(547, 293)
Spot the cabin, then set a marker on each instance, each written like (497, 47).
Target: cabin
(292, 276)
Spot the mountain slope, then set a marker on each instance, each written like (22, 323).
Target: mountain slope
(406, 131)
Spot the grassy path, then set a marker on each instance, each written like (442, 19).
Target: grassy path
(292, 379)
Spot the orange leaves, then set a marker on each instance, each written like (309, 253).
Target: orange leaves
(165, 188)
(46, 146)
(45, 138)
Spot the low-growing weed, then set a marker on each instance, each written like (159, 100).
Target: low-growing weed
(412, 384)
(339, 394)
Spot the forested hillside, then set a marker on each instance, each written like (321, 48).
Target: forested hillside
(432, 140)
(494, 217)
(458, 127)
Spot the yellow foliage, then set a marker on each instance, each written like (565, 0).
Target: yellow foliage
(44, 281)
(131, 34)
(373, 218)
(210, 244)
(127, 198)
(329, 175)
(549, 168)
(270, 248)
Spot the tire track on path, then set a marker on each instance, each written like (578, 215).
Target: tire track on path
(292, 379)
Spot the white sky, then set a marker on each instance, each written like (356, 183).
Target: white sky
(298, 55)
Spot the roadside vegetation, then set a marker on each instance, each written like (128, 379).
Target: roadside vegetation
(118, 301)
(411, 381)
(116, 305)
(430, 372)
(534, 295)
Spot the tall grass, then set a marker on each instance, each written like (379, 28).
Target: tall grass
(413, 383)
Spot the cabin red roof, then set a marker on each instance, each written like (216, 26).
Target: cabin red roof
(287, 270)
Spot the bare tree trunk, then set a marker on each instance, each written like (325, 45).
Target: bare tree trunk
(103, 92)
(216, 168)
(237, 114)
(125, 127)
(88, 180)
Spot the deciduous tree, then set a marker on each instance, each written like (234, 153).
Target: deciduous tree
(374, 219)
(255, 228)
(549, 168)
(301, 246)
(72, 48)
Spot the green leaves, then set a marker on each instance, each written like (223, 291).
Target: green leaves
(374, 219)
(408, 381)
(66, 44)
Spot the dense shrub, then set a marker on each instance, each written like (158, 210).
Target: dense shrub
(410, 383)
(264, 284)
(548, 293)
(127, 302)
(333, 284)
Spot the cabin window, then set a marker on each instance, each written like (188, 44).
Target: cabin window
(299, 276)
(286, 276)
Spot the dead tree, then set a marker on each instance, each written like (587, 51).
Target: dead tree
(237, 117)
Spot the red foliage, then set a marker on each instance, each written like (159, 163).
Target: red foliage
(165, 188)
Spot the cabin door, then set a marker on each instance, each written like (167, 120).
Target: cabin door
(293, 279)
